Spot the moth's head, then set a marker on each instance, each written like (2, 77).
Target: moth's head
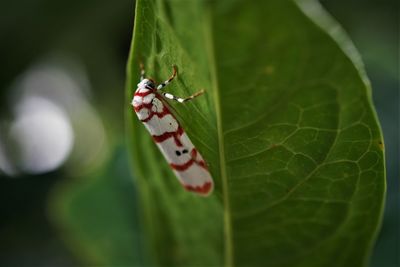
(147, 83)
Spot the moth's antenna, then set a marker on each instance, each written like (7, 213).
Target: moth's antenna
(142, 71)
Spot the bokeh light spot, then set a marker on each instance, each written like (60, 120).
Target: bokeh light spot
(43, 135)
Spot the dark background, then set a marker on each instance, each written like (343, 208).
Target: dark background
(95, 36)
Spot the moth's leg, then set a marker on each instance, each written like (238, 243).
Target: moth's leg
(180, 99)
(162, 85)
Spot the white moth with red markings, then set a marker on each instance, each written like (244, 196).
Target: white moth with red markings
(186, 162)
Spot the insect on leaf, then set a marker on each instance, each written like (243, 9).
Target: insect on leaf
(286, 126)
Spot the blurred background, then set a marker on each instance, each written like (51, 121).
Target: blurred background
(62, 103)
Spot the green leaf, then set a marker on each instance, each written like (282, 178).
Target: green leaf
(286, 126)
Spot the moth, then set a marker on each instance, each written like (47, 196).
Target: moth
(150, 105)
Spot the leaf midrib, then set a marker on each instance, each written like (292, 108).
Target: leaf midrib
(208, 33)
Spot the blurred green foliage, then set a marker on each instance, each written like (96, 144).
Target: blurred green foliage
(98, 217)
(94, 33)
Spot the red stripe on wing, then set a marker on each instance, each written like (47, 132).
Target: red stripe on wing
(158, 114)
(185, 166)
(144, 94)
(203, 189)
(138, 108)
(182, 167)
(176, 135)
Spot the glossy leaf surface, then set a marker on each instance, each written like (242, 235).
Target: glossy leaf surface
(286, 126)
